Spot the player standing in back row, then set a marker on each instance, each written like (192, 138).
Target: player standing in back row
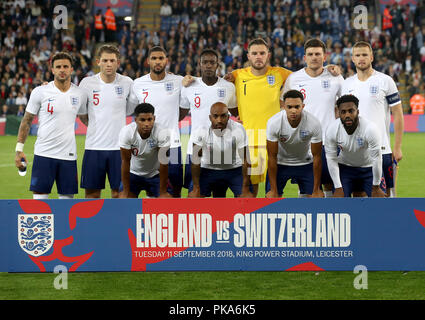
(198, 98)
(378, 98)
(107, 108)
(162, 90)
(55, 151)
(258, 90)
(320, 89)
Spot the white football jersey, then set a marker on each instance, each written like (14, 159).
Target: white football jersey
(164, 95)
(220, 149)
(199, 97)
(144, 152)
(360, 149)
(107, 108)
(320, 94)
(56, 111)
(376, 96)
(294, 143)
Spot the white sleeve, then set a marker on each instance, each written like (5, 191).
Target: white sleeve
(124, 139)
(331, 156)
(340, 84)
(375, 154)
(317, 132)
(286, 87)
(132, 101)
(184, 101)
(241, 138)
(345, 87)
(232, 100)
(34, 103)
(198, 137)
(132, 97)
(164, 137)
(272, 130)
(83, 105)
(392, 95)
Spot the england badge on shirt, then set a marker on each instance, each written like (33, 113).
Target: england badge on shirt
(75, 101)
(374, 89)
(221, 93)
(360, 142)
(169, 87)
(326, 84)
(119, 91)
(304, 134)
(270, 80)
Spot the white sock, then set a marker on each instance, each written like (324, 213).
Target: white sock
(302, 195)
(40, 196)
(392, 193)
(66, 196)
(328, 194)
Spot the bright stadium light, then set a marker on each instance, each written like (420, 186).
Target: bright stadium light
(128, 18)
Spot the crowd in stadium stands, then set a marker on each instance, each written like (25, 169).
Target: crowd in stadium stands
(28, 38)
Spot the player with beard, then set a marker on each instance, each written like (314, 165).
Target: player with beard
(378, 99)
(220, 157)
(55, 151)
(162, 90)
(353, 152)
(258, 89)
(315, 81)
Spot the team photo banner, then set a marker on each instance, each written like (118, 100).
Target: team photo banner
(212, 234)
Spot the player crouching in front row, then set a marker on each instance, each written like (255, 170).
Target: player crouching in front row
(144, 163)
(294, 149)
(353, 151)
(219, 159)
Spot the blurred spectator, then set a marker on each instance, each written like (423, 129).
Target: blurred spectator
(21, 111)
(4, 111)
(21, 99)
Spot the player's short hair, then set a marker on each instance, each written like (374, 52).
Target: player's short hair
(314, 43)
(144, 108)
(62, 56)
(209, 51)
(362, 44)
(347, 98)
(157, 49)
(108, 48)
(294, 94)
(258, 41)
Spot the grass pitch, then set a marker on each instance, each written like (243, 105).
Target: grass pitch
(213, 285)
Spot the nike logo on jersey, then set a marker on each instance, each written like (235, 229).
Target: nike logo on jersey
(243, 81)
(197, 94)
(301, 85)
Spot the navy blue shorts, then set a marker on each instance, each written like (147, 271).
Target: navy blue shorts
(138, 184)
(355, 179)
(175, 169)
(96, 165)
(218, 181)
(45, 171)
(387, 172)
(303, 175)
